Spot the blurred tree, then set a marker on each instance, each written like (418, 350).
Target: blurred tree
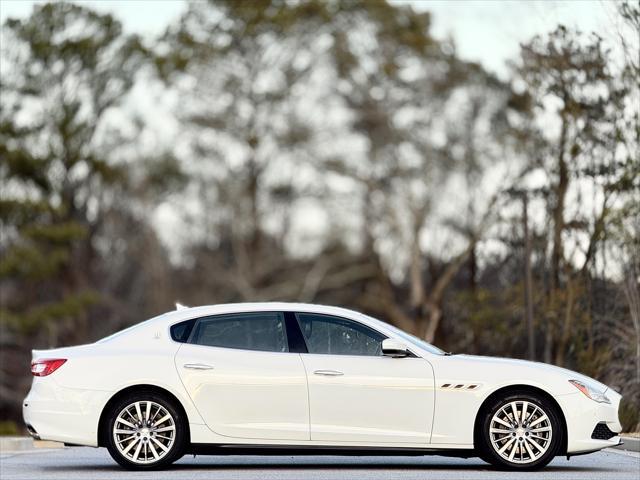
(243, 72)
(64, 69)
(407, 95)
(573, 86)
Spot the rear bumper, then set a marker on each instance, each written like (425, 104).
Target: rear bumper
(61, 414)
(583, 415)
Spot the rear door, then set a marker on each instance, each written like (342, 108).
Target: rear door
(243, 379)
(356, 394)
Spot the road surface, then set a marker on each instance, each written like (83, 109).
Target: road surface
(91, 463)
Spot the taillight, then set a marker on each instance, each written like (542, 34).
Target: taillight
(44, 367)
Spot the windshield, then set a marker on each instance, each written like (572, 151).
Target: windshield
(412, 339)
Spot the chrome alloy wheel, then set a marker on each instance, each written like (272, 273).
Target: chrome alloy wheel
(520, 432)
(144, 432)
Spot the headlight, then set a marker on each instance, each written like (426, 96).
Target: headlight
(590, 391)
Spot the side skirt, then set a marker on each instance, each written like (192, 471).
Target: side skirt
(231, 449)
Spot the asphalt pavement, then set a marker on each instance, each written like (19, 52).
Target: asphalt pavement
(91, 463)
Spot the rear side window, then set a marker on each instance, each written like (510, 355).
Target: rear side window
(180, 331)
(263, 331)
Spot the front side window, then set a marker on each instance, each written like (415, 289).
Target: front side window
(326, 334)
(264, 331)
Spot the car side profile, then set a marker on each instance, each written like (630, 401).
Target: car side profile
(297, 378)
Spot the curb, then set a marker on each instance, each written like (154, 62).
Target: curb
(21, 444)
(631, 444)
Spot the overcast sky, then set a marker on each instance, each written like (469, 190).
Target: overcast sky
(487, 31)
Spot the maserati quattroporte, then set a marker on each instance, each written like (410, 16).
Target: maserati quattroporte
(295, 378)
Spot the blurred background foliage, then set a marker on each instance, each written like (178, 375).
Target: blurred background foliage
(330, 152)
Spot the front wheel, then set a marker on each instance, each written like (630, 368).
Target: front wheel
(145, 431)
(520, 432)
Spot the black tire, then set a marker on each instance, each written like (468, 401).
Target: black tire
(520, 438)
(174, 451)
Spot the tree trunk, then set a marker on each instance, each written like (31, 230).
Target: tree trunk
(566, 329)
(473, 270)
(252, 190)
(528, 282)
(557, 254)
(558, 208)
(435, 314)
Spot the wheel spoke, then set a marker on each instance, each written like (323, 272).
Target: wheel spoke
(130, 446)
(498, 440)
(501, 422)
(526, 444)
(540, 419)
(499, 430)
(513, 451)
(535, 410)
(159, 444)
(138, 412)
(514, 407)
(506, 445)
(541, 429)
(523, 416)
(154, 451)
(136, 454)
(131, 415)
(154, 416)
(539, 447)
(148, 412)
(121, 431)
(163, 419)
(124, 422)
(165, 429)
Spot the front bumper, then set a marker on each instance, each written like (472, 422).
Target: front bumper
(61, 414)
(583, 416)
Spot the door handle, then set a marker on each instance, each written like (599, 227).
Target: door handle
(328, 373)
(198, 366)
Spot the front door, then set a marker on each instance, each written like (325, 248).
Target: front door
(358, 395)
(243, 380)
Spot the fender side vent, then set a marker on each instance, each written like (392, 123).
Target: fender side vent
(602, 432)
(460, 386)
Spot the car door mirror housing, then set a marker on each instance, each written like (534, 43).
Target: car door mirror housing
(394, 348)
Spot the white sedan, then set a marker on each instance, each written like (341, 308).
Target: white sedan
(295, 378)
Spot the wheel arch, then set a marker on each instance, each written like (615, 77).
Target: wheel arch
(520, 388)
(102, 422)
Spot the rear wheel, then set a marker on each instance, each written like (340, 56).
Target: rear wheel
(520, 432)
(145, 431)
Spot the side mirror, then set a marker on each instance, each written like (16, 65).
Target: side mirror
(394, 348)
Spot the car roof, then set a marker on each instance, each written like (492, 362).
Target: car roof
(190, 312)
(182, 313)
